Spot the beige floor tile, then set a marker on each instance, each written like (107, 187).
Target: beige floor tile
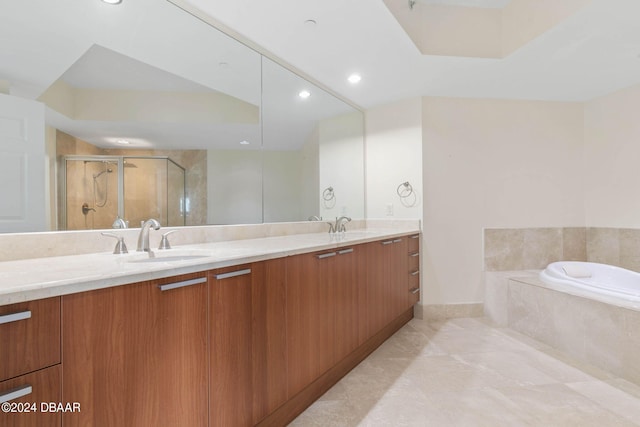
(466, 373)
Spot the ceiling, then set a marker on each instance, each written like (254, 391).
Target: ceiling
(593, 52)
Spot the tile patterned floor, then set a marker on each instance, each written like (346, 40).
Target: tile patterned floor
(464, 372)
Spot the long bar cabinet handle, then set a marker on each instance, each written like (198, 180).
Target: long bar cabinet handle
(233, 274)
(14, 317)
(327, 255)
(415, 273)
(415, 291)
(182, 284)
(415, 254)
(345, 251)
(397, 240)
(16, 393)
(415, 236)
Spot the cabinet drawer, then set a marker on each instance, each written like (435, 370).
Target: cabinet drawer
(29, 336)
(38, 387)
(414, 243)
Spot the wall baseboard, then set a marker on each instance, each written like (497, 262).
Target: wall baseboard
(449, 311)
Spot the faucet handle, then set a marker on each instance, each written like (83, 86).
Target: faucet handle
(164, 242)
(332, 228)
(120, 248)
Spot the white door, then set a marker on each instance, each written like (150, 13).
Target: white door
(22, 165)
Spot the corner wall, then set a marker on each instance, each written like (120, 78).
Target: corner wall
(493, 163)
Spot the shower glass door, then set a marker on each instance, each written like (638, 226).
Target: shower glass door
(97, 190)
(91, 188)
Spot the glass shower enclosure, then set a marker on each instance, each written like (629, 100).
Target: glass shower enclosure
(97, 190)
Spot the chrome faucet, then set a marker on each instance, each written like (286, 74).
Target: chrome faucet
(340, 224)
(143, 238)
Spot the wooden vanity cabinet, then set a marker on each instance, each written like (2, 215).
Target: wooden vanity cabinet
(136, 355)
(387, 282)
(30, 362)
(248, 363)
(323, 307)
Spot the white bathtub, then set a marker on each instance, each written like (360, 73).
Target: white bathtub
(590, 277)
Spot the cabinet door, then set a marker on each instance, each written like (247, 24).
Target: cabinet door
(387, 282)
(136, 355)
(269, 336)
(345, 286)
(38, 387)
(231, 347)
(310, 318)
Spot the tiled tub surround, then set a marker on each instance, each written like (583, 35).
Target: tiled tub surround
(513, 249)
(39, 265)
(596, 330)
(602, 334)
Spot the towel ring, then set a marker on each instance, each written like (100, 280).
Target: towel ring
(328, 194)
(404, 190)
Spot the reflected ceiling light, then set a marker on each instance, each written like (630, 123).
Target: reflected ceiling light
(354, 78)
(304, 94)
(123, 142)
(244, 143)
(112, 1)
(310, 22)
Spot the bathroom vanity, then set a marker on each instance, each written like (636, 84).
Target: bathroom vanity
(246, 341)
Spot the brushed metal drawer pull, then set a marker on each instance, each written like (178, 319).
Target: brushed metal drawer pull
(415, 273)
(415, 236)
(327, 255)
(415, 254)
(176, 285)
(415, 291)
(387, 242)
(233, 274)
(16, 393)
(345, 251)
(397, 240)
(14, 317)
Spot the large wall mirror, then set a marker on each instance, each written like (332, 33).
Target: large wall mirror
(150, 112)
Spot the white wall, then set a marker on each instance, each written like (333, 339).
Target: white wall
(393, 156)
(493, 163)
(341, 154)
(612, 160)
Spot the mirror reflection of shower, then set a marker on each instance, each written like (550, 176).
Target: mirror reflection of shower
(101, 192)
(107, 169)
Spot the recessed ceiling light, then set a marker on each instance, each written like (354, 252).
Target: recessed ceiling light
(310, 22)
(354, 78)
(112, 1)
(244, 143)
(123, 142)
(304, 94)
(223, 65)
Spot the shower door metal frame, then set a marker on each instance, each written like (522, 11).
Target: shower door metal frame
(119, 160)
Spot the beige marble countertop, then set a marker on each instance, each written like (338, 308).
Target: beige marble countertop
(30, 279)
